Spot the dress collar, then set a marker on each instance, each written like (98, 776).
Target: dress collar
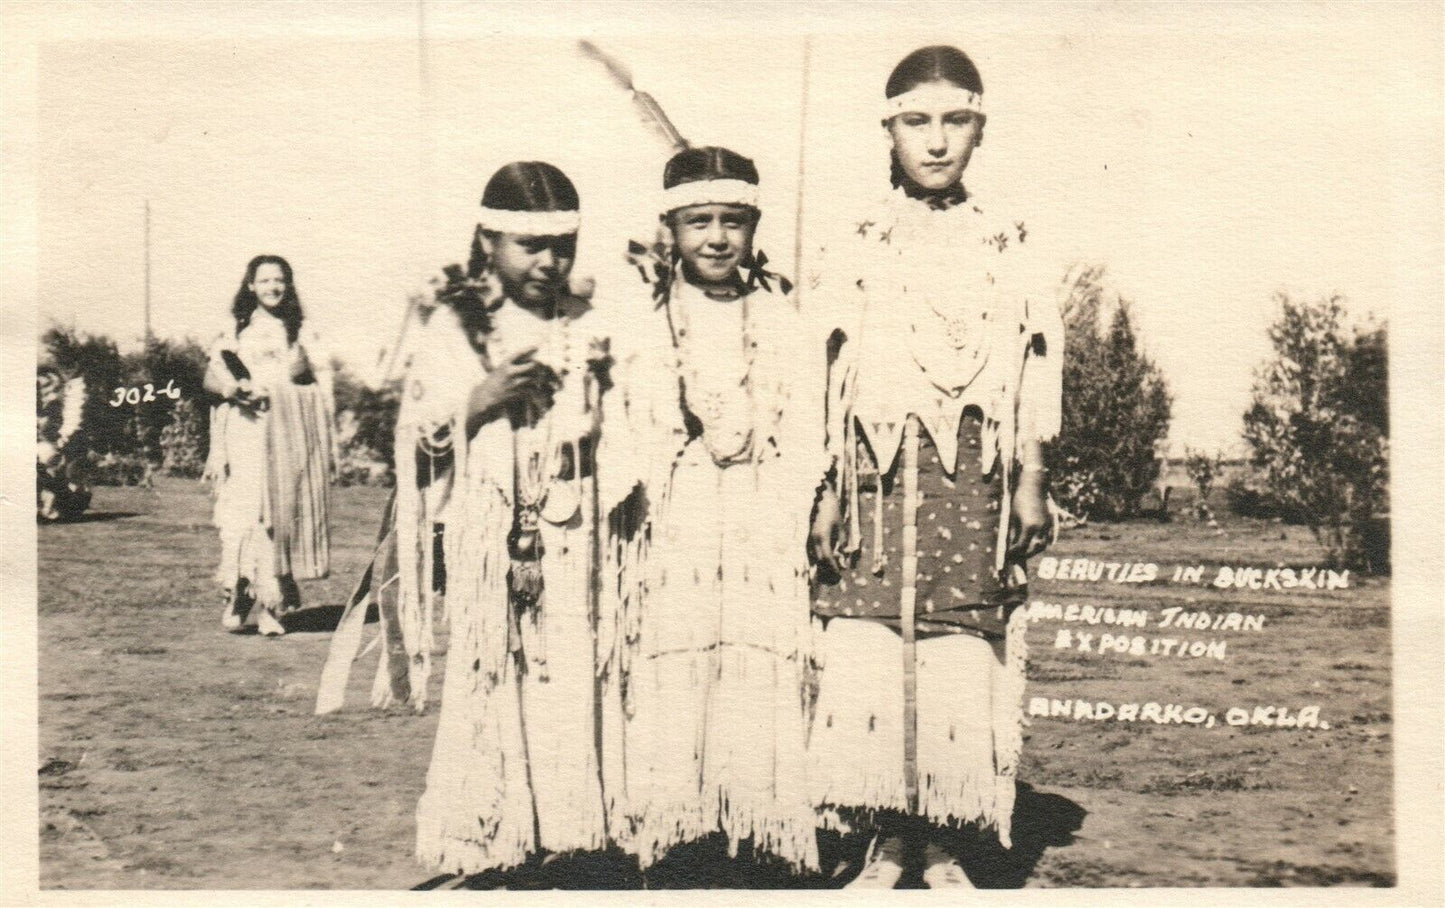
(937, 200)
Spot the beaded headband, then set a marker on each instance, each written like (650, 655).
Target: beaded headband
(530, 223)
(932, 97)
(710, 192)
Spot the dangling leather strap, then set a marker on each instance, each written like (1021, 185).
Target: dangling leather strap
(908, 609)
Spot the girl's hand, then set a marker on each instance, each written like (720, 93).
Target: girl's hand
(245, 394)
(519, 380)
(827, 527)
(1030, 524)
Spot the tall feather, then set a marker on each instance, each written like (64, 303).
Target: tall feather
(650, 112)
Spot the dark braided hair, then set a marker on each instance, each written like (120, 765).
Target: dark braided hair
(937, 63)
(522, 186)
(708, 162)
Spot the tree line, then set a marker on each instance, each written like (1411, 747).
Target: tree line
(1317, 428)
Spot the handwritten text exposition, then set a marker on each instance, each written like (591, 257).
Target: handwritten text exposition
(1117, 642)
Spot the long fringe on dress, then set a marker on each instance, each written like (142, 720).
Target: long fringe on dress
(967, 773)
(273, 491)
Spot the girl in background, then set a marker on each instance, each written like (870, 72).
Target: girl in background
(272, 451)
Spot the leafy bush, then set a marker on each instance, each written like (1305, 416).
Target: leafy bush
(184, 442)
(1319, 428)
(180, 366)
(1246, 498)
(111, 469)
(104, 428)
(1116, 408)
(121, 435)
(1202, 470)
(366, 427)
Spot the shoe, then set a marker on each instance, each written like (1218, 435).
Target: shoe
(941, 870)
(267, 624)
(883, 866)
(231, 617)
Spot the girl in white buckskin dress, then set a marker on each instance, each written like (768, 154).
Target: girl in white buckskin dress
(717, 624)
(506, 397)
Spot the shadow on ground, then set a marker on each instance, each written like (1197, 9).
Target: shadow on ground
(315, 619)
(91, 517)
(1041, 821)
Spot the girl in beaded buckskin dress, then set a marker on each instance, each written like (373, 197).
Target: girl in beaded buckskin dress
(503, 419)
(944, 378)
(717, 625)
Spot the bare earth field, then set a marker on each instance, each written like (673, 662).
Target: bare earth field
(175, 755)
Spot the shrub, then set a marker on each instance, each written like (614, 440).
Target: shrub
(1116, 408)
(103, 428)
(181, 366)
(131, 430)
(1246, 498)
(184, 441)
(366, 426)
(1319, 428)
(113, 469)
(1202, 471)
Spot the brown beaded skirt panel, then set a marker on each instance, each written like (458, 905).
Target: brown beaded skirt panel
(959, 589)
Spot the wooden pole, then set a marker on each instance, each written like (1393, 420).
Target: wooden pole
(802, 172)
(908, 610)
(592, 393)
(391, 360)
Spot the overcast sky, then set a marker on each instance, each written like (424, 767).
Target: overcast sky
(1207, 164)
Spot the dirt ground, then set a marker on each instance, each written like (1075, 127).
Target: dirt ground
(175, 755)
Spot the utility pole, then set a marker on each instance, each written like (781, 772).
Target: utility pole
(148, 274)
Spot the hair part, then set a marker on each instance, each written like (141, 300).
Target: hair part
(937, 63)
(288, 311)
(530, 186)
(521, 186)
(708, 162)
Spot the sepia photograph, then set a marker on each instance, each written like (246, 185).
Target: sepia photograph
(758, 447)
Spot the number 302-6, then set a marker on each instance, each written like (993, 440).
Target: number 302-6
(144, 394)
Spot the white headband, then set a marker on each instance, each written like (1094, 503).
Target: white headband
(933, 97)
(530, 223)
(710, 192)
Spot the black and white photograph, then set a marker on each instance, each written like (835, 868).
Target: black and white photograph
(766, 447)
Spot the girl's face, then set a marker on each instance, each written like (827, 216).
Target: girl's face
(533, 269)
(713, 240)
(269, 285)
(934, 146)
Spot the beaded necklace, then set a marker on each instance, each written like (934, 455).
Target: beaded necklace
(708, 394)
(534, 463)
